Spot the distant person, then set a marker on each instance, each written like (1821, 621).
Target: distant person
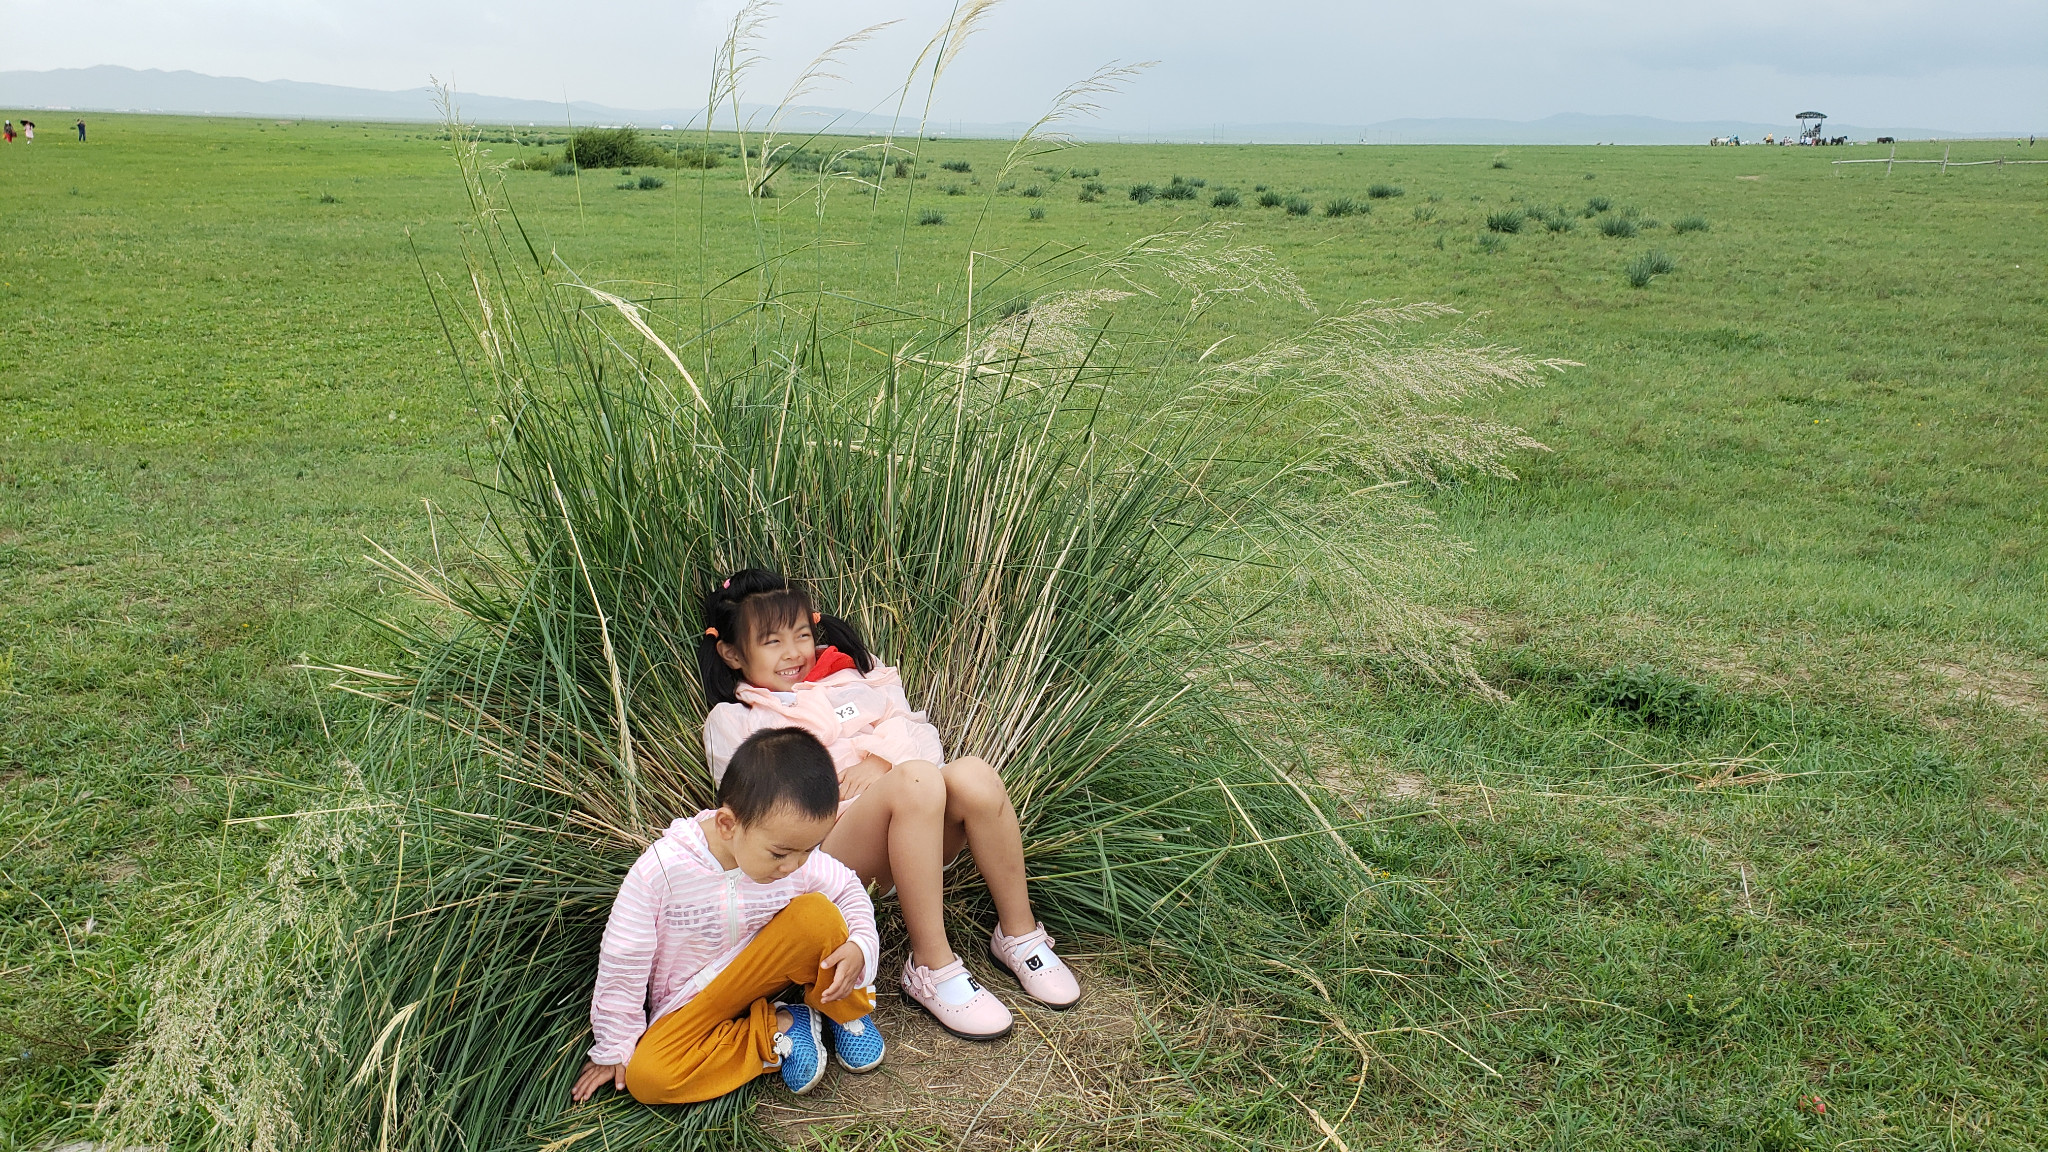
(81, 131)
(7, 133)
(28, 131)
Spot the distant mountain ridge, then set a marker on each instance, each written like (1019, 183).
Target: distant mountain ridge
(111, 88)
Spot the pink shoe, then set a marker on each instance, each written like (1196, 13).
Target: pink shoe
(1043, 975)
(957, 1001)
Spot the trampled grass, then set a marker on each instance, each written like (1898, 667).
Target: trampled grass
(1802, 477)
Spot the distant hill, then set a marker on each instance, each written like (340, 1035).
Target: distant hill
(108, 88)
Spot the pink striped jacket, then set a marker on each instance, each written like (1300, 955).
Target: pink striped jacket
(680, 919)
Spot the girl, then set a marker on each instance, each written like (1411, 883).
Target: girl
(771, 660)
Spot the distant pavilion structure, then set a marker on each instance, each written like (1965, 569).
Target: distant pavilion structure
(1810, 124)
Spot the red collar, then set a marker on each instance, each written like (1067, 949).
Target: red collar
(830, 660)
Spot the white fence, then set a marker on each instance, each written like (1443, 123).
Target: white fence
(1944, 161)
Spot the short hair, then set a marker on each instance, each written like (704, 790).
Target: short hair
(780, 766)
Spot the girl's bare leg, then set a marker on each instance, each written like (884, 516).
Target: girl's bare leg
(979, 812)
(896, 835)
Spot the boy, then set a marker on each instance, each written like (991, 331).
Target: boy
(729, 907)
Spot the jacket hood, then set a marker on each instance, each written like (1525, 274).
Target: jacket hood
(879, 677)
(686, 835)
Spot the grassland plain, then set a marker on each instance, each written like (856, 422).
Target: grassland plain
(1793, 513)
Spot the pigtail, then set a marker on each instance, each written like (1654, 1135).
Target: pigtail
(721, 683)
(842, 635)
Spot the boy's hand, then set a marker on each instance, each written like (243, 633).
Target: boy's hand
(594, 1076)
(845, 964)
(862, 776)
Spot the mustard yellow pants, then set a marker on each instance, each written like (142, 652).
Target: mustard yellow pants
(724, 1036)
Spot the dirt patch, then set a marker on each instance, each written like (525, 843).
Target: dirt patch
(2005, 687)
(1082, 1070)
(1405, 786)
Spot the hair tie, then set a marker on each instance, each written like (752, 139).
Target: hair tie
(817, 618)
(727, 584)
(711, 632)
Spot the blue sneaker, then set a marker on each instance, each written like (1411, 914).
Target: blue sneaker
(802, 1048)
(857, 1046)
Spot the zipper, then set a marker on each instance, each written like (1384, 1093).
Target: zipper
(732, 908)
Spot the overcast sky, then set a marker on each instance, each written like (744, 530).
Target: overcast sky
(1964, 65)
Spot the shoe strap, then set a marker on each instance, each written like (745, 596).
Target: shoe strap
(952, 985)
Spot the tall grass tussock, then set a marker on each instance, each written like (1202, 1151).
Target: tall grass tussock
(1619, 227)
(1071, 544)
(1647, 267)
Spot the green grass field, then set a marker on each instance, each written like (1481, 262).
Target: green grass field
(1762, 823)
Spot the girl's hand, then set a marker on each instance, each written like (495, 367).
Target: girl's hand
(594, 1076)
(861, 776)
(845, 964)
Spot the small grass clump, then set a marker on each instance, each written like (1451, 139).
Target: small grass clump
(649, 183)
(1492, 242)
(1559, 221)
(1270, 199)
(1423, 213)
(1597, 205)
(1340, 206)
(1032, 192)
(931, 216)
(953, 190)
(1500, 160)
(1298, 206)
(1619, 227)
(1686, 224)
(1178, 190)
(1144, 193)
(705, 158)
(329, 198)
(1510, 221)
(957, 166)
(1385, 191)
(1653, 696)
(563, 168)
(1644, 268)
(1225, 198)
(1037, 212)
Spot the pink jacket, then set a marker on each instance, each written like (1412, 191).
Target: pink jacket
(680, 919)
(853, 715)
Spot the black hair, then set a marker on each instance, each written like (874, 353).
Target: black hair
(777, 767)
(749, 602)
